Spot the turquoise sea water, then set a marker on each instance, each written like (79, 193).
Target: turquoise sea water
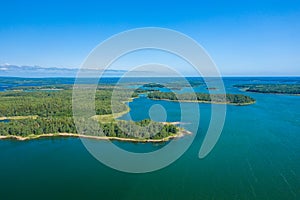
(256, 157)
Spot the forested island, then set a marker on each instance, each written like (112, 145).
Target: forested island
(39, 113)
(153, 85)
(172, 84)
(235, 99)
(293, 89)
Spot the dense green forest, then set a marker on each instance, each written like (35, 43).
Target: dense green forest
(118, 128)
(271, 88)
(237, 99)
(54, 115)
(54, 103)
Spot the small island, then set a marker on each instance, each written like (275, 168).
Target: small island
(153, 85)
(212, 88)
(234, 99)
(292, 89)
(173, 84)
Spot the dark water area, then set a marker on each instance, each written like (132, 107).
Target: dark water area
(256, 157)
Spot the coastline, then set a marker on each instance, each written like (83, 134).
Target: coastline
(182, 132)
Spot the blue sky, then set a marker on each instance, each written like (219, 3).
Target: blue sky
(243, 37)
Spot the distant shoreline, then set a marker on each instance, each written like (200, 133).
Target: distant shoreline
(180, 134)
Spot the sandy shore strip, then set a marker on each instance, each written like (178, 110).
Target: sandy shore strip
(19, 117)
(181, 133)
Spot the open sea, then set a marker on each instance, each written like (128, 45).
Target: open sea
(256, 157)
